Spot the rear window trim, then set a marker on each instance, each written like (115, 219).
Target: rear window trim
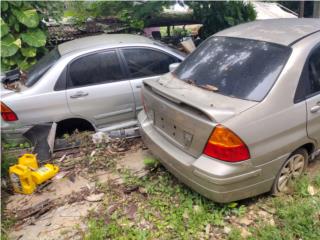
(305, 78)
(56, 49)
(277, 78)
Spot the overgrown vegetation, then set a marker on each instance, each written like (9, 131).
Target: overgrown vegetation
(23, 35)
(162, 208)
(214, 15)
(296, 216)
(218, 15)
(133, 13)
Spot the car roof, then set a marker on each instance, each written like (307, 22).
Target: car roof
(102, 40)
(285, 31)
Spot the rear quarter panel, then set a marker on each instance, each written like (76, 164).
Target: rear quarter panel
(276, 127)
(40, 103)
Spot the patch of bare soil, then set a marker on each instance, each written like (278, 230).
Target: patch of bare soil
(314, 167)
(58, 210)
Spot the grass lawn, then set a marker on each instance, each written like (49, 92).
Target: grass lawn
(159, 207)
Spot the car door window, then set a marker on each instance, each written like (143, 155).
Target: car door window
(309, 83)
(94, 69)
(314, 72)
(147, 62)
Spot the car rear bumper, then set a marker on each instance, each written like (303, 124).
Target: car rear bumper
(215, 179)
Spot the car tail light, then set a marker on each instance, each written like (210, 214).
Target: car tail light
(225, 145)
(7, 114)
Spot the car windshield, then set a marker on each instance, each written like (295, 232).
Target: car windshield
(40, 68)
(240, 68)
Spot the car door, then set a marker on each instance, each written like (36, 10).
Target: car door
(313, 98)
(97, 90)
(144, 63)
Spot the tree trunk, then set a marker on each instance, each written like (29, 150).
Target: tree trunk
(301, 9)
(316, 9)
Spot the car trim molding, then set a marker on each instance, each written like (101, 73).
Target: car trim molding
(224, 181)
(110, 114)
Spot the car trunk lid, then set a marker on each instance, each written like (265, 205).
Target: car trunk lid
(186, 114)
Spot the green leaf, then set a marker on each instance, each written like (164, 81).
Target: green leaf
(29, 52)
(4, 28)
(18, 42)
(16, 3)
(4, 67)
(233, 205)
(9, 45)
(12, 20)
(9, 61)
(17, 27)
(4, 6)
(24, 65)
(34, 38)
(30, 18)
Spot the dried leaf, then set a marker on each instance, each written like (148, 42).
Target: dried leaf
(95, 197)
(311, 190)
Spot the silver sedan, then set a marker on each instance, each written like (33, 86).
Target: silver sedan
(91, 83)
(241, 115)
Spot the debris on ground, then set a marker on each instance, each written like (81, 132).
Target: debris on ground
(82, 170)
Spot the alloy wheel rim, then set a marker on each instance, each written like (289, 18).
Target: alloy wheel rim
(290, 172)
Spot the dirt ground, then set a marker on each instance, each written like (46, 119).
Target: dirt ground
(60, 210)
(68, 199)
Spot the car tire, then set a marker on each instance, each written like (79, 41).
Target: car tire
(291, 170)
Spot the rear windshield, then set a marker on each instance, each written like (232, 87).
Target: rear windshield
(40, 68)
(240, 68)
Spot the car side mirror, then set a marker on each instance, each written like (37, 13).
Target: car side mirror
(173, 66)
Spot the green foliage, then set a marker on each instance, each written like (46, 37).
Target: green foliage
(9, 45)
(23, 38)
(135, 14)
(7, 160)
(300, 218)
(218, 15)
(34, 37)
(181, 32)
(166, 209)
(296, 216)
(4, 28)
(29, 18)
(317, 180)
(151, 163)
(266, 232)
(235, 234)
(29, 51)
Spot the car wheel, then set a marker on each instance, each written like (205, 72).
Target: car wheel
(291, 170)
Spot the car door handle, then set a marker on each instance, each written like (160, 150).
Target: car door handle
(138, 86)
(315, 109)
(79, 95)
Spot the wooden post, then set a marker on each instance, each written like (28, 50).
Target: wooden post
(301, 9)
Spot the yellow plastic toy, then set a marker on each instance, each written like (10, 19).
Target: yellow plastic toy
(44, 173)
(21, 179)
(29, 160)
